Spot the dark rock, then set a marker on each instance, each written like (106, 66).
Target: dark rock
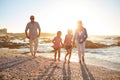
(118, 43)
(13, 45)
(90, 44)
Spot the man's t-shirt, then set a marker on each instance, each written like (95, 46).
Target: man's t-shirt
(33, 29)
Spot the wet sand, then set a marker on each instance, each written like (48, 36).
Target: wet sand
(16, 65)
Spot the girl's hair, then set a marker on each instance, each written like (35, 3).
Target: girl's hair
(70, 31)
(59, 32)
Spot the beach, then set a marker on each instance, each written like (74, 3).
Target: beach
(17, 65)
(36, 33)
(102, 57)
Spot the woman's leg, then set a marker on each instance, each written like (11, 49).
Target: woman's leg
(79, 53)
(82, 52)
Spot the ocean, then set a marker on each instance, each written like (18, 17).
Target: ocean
(105, 57)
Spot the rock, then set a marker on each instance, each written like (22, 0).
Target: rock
(118, 43)
(12, 45)
(90, 44)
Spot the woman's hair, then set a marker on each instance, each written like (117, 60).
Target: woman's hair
(79, 22)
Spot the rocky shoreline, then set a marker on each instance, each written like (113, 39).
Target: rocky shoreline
(5, 41)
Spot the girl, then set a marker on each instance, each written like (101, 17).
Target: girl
(57, 41)
(68, 44)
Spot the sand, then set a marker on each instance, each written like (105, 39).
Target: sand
(16, 65)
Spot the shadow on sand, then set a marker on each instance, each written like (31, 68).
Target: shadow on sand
(12, 63)
(86, 73)
(66, 72)
(48, 72)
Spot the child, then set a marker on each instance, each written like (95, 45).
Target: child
(68, 44)
(57, 45)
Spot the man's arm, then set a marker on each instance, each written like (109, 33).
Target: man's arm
(26, 29)
(39, 30)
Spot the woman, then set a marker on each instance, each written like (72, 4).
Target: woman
(80, 37)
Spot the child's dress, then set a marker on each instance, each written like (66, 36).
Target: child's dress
(68, 41)
(57, 43)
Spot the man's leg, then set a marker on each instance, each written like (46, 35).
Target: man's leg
(31, 46)
(35, 46)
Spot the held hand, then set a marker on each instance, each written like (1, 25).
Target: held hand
(62, 45)
(73, 43)
(81, 42)
(38, 35)
(28, 37)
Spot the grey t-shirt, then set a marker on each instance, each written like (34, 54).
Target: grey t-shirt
(32, 29)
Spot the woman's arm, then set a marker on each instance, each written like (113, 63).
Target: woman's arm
(86, 35)
(74, 36)
(39, 30)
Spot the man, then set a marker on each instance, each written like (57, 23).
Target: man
(32, 32)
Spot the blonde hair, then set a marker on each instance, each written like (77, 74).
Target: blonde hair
(79, 22)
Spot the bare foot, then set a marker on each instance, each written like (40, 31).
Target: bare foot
(65, 61)
(83, 60)
(31, 54)
(58, 59)
(80, 61)
(34, 56)
(54, 60)
(68, 61)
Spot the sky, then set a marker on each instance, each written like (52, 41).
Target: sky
(99, 17)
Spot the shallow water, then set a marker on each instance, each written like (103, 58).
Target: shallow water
(105, 57)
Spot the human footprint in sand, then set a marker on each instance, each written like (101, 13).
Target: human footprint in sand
(68, 44)
(32, 32)
(80, 37)
(57, 41)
